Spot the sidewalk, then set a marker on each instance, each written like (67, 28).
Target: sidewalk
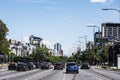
(96, 67)
(105, 68)
(3, 67)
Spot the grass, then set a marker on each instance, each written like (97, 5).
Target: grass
(106, 67)
(109, 67)
(115, 69)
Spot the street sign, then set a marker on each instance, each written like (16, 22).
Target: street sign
(99, 51)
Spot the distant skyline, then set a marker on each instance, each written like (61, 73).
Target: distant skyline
(55, 21)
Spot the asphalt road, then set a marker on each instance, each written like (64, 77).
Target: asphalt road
(38, 74)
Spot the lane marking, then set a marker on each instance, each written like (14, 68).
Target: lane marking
(64, 77)
(98, 79)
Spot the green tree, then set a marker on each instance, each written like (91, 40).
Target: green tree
(58, 58)
(40, 54)
(104, 54)
(4, 45)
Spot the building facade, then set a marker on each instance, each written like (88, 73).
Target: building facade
(36, 41)
(97, 37)
(57, 46)
(21, 48)
(58, 49)
(111, 31)
(16, 47)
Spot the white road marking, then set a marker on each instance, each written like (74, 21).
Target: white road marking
(64, 77)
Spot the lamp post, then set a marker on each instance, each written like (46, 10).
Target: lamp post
(94, 31)
(69, 51)
(85, 37)
(81, 45)
(118, 10)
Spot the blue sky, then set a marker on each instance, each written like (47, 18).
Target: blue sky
(60, 21)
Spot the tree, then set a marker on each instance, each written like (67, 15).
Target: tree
(104, 54)
(40, 54)
(57, 59)
(4, 45)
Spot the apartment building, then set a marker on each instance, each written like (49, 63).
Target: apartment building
(111, 31)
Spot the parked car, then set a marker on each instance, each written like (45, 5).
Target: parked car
(58, 65)
(31, 66)
(12, 66)
(85, 65)
(72, 67)
(63, 64)
(37, 64)
(22, 66)
(46, 65)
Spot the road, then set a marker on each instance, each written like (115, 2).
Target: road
(38, 74)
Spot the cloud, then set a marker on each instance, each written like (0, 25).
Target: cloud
(101, 1)
(31, 1)
(98, 1)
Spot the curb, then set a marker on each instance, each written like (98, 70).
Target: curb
(3, 70)
(3, 65)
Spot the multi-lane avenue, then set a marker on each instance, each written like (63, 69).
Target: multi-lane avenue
(50, 74)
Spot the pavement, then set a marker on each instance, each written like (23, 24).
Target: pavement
(96, 67)
(105, 68)
(3, 67)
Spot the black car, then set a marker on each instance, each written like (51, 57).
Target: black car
(22, 66)
(37, 64)
(31, 65)
(59, 65)
(46, 65)
(85, 65)
(12, 66)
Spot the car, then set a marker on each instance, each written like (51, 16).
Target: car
(37, 64)
(31, 65)
(22, 66)
(72, 67)
(46, 65)
(63, 64)
(59, 65)
(12, 66)
(85, 65)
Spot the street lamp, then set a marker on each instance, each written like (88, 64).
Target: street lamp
(111, 9)
(70, 50)
(118, 10)
(85, 37)
(80, 44)
(94, 31)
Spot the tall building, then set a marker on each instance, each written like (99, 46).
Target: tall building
(97, 37)
(57, 47)
(111, 31)
(36, 41)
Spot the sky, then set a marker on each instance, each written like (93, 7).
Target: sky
(62, 21)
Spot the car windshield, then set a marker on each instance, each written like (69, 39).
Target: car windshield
(58, 63)
(85, 63)
(71, 64)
